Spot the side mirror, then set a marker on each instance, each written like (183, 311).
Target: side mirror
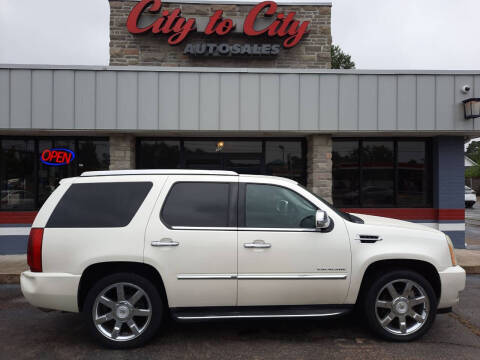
(322, 221)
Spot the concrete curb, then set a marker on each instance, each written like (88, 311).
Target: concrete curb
(472, 270)
(9, 278)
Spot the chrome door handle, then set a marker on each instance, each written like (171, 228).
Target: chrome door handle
(257, 244)
(164, 242)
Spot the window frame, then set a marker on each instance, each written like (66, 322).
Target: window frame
(232, 206)
(261, 155)
(36, 152)
(428, 169)
(242, 210)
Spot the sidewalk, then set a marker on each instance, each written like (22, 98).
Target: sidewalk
(10, 268)
(12, 265)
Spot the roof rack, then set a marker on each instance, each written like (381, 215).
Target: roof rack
(158, 172)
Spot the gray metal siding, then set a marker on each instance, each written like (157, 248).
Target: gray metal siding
(226, 99)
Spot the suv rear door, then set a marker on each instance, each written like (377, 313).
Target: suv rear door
(191, 239)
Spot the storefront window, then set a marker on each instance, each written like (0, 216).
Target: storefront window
(158, 154)
(346, 183)
(250, 156)
(377, 173)
(285, 159)
(413, 176)
(381, 173)
(17, 183)
(26, 182)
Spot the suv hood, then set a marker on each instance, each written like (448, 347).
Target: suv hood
(383, 221)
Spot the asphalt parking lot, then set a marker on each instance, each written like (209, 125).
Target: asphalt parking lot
(472, 222)
(28, 333)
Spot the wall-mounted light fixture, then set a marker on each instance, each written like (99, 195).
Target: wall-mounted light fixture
(472, 108)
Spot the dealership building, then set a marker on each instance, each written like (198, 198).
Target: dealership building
(239, 86)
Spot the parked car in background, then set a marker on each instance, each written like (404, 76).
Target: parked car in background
(129, 248)
(470, 197)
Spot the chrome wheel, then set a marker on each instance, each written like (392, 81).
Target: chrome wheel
(122, 311)
(402, 307)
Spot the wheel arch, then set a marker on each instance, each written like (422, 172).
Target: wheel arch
(97, 271)
(378, 267)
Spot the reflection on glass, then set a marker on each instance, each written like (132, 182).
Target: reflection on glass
(229, 146)
(17, 185)
(157, 154)
(25, 182)
(243, 166)
(204, 164)
(412, 177)
(93, 155)
(346, 182)
(377, 173)
(284, 158)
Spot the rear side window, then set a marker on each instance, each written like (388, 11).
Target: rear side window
(197, 204)
(99, 205)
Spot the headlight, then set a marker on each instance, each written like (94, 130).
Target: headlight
(452, 251)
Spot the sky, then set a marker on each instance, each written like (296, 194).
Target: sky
(379, 34)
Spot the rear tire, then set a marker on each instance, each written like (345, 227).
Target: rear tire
(123, 310)
(400, 305)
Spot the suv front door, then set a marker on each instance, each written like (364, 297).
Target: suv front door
(282, 258)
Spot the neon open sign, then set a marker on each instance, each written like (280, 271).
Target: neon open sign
(57, 157)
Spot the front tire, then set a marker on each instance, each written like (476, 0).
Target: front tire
(123, 310)
(400, 305)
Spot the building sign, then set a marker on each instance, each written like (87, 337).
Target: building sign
(57, 157)
(262, 20)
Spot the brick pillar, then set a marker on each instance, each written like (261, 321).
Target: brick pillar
(122, 152)
(319, 165)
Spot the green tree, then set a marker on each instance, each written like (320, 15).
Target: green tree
(341, 60)
(472, 172)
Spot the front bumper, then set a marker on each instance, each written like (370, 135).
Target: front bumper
(453, 281)
(56, 291)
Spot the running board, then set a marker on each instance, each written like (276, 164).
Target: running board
(258, 312)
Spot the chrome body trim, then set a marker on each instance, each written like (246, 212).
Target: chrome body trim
(164, 242)
(278, 229)
(241, 229)
(206, 276)
(264, 316)
(204, 228)
(367, 237)
(292, 277)
(261, 277)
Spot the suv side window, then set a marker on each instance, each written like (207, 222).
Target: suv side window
(199, 204)
(270, 206)
(99, 205)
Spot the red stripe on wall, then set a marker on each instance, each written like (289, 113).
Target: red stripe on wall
(17, 217)
(27, 217)
(413, 214)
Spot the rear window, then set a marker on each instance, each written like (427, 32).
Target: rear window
(99, 205)
(197, 204)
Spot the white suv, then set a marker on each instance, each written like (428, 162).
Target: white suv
(129, 248)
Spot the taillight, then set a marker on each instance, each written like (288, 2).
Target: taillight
(34, 250)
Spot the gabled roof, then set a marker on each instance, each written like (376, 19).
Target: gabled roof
(469, 162)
